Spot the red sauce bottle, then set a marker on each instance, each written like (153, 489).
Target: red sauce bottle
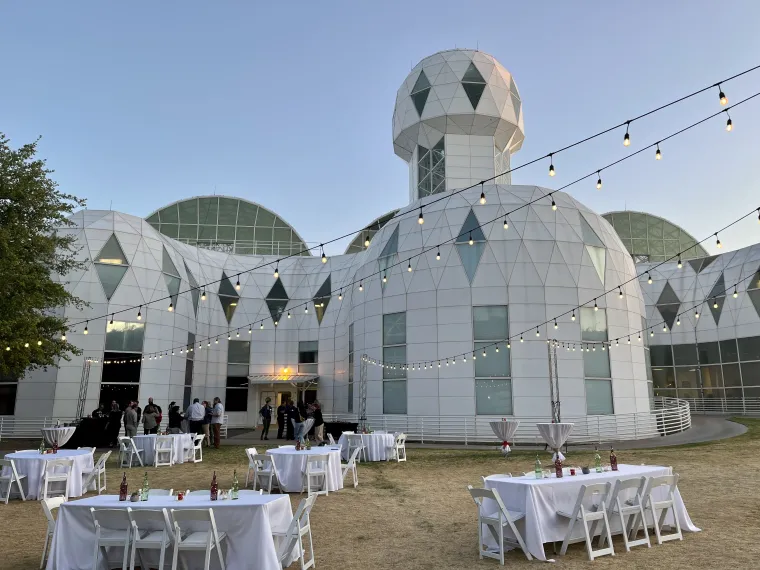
(558, 466)
(613, 460)
(214, 488)
(123, 488)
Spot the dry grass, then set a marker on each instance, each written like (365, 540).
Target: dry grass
(418, 515)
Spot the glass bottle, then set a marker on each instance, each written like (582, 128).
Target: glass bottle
(123, 488)
(613, 460)
(235, 486)
(42, 447)
(214, 488)
(145, 488)
(537, 469)
(558, 465)
(597, 460)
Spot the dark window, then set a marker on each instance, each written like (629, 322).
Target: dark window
(121, 367)
(236, 395)
(239, 351)
(728, 351)
(188, 373)
(308, 356)
(749, 348)
(8, 399)
(663, 377)
(731, 377)
(708, 353)
(684, 354)
(711, 377)
(661, 355)
(186, 397)
(686, 377)
(750, 375)
(122, 393)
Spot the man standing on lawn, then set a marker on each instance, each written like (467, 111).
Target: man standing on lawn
(217, 418)
(195, 415)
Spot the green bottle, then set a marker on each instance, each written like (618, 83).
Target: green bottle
(597, 460)
(537, 469)
(145, 488)
(42, 447)
(235, 486)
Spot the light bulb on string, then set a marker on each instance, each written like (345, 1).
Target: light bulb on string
(63, 337)
(470, 241)
(696, 314)
(537, 332)
(409, 267)
(86, 330)
(572, 317)
(651, 332)
(722, 96)
(288, 314)
(203, 295)
(620, 293)
(484, 353)
(627, 137)
(604, 347)
(361, 285)
(658, 154)
(506, 225)
(496, 349)
(736, 293)
(237, 284)
(599, 180)
(629, 340)
(649, 278)
(556, 326)
(551, 165)
(554, 205)
(596, 307)
(420, 219)
(639, 337)
(758, 215)
(509, 344)
(482, 195)
(229, 336)
(250, 331)
(306, 310)
(438, 254)
(261, 326)
(324, 257)
(664, 328)
(366, 241)
(521, 338)
(139, 313)
(111, 321)
(216, 340)
(277, 269)
(717, 241)
(340, 295)
(679, 264)
(474, 356)
(385, 278)
(276, 322)
(171, 307)
(715, 303)
(729, 123)
(617, 342)
(678, 321)
(237, 333)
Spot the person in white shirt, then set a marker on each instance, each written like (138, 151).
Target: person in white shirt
(217, 418)
(195, 414)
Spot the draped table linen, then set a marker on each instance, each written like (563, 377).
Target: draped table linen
(57, 435)
(555, 435)
(376, 445)
(181, 442)
(248, 522)
(505, 430)
(32, 464)
(291, 464)
(540, 499)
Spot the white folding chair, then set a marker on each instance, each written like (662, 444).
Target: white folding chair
(249, 453)
(92, 450)
(264, 469)
(10, 478)
(355, 442)
(629, 511)
(160, 493)
(652, 506)
(48, 506)
(591, 506)
(128, 451)
(96, 475)
(398, 449)
(164, 454)
(206, 540)
(351, 466)
(316, 469)
(197, 449)
(496, 521)
(57, 471)
(151, 531)
(299, 527)
(112, 528)
(331, 439)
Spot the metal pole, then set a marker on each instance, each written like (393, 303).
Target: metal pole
(83, 384)
(363, 392)
(554, 381)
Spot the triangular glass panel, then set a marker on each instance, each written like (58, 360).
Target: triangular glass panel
(754, 296)
(588, 233)
(420, 92)
(172, 285)
(707, 261)
(111, 253)
(278, 291)
(421, 83)
(513, 87)
(755, 283)
(695, 264)
(228, 297)
(391, 246)
(474, 92)
(470, 228)
(322, 299)
(716, 297)
(470, 256)
(167, 265)
(194, 293)
(226, 288)
(277, 300)
(669, 313)
(472, 75)
(516, 104)
(668, 296)
(598, 257)
(110, 276)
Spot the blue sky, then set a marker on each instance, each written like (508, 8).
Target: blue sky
(289, 104)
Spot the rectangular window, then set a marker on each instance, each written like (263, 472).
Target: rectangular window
(664, 377)
(684, 354)
(121, 367)
(712, 378)
(709, 353)
(598, 397)
(351, 368)
(239, 351)
(750, 375)
(394, 351)
(661, 355)
(125, 337)
(236, 394)
(749, 348)
(238, 358)
(728, 351)
(731, 376)
(686, 378)
(308, 356)
(190, 354)
(596, 363)
(493, 386)
(8, 398)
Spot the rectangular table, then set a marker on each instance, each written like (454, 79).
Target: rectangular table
(248, 522)
(540, 499)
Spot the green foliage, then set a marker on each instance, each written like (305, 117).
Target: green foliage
(35, 257)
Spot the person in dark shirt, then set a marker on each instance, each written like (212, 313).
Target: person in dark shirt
(319, 423)
(292, 416)
(266, 416)
(175, 419)
(282, 413)
(114, 424)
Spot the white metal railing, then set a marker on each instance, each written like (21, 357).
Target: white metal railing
(669, 416)
(740, 407)
(12, 427)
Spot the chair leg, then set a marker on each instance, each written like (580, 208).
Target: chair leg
(221, 555)
(480, 537)
(175, 553)
(501, 542)
(44, 549)
(566, 542)
(589, 547)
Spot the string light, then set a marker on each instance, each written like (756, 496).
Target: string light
(620, 293)
(340, 295)
(722, 96)
(216, 340)
(39, 343)
(261, 326)
(649, 278)
(537, 333)
(484, 353)
(63, 337)
(717, 241)
(627, 137)
(639, 336)
(250, 331)
(366, 241)
(277, 269)
(171, 307)
(758, 215)
(409, 267)
(696, 314)
(599, 180)
(276, 322)
(715, 303)
(556, 326)
(596, 307)
(306, 310)
(229, 336)
(664, 328)
(658, 154)
(506, 225)
(420, 219)
(237, 285)
(203, 295)
(551, 165)
(554, 205)
(678, 321)
(470, 240)
(729, 123)
(679, 265)
(629, 340)
(736, 293)
(139, 314)
(361, 285)
(86, 330)
(509, 344)
(438, 254)
(572, 317)
(288, 314)
(111, 321)
(521, 339)
(324, 257)
(482, 194)
(385, 278)
(496, 349)
(651, 332)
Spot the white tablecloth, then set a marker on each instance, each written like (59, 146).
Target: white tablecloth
(291, 464)
(59, 435)
(375, 445)
(32, 464)
(555, 435)
(147, 443)
(539, 499)
(248, 522)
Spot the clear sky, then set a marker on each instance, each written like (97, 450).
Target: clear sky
(289, 104)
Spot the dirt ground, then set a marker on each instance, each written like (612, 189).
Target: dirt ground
(419, 515)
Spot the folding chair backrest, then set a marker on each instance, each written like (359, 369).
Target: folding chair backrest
(638, 483)
(263, 460)
(160, 492)
(250, 452)
(478, 495)
(192, 515)
(164, 442)
(50, 466)
(331, 439)
(102, 460)
(113, 519)
(150, 519)
(317, 460)
(354, 439)
(6, 463)
(124, 443)
(354, 454)
(49, 505)
(663, 480)
(401, 439)
(198, 439)
(90, 449)
(592, 496)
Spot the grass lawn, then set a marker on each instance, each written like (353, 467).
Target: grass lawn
(419, 515)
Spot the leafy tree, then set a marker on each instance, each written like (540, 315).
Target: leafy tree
(34, 260)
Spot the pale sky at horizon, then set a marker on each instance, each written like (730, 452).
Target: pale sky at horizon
(289, 105)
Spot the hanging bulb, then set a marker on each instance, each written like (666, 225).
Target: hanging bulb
(696, 314)
(139, 314)
(276, 323)
(7, 348)
(551, 165)
(729, 123)
(658, 154)
(261, 326)
(678, 321)
(385, 278)
(438, 254)
(617, 342)
(620, 293)
(229, 336)
(758, 215)
(216, 340)
(340, 295)
(506, 225)
(464, 358)
(627, 137)
(497, 348)
(537, 333)
(594, 347)
(554, 205)
(604, 347)
(409, 267)
(470, 240)
(629, 340)
(651, 332)
(420, 219)
(482, 196)
(324, 257)
(277, 270)
(288, 314)
(736, 293)
(715, 303)
(596, 307)
(639, 337)
(717, 242)
(572, 317)
(39, 343)
(361, 285)
(474, 356)
(306, 310)
(86, 330)
(366, 241)
(182, 351)
(203, 295)
(722, 96)
(599, 180)
(556, 326)
(521, 339)
(439, 364)
(171, 306)
(649, 278)
(679, 265)
(250, 331)
(509, 344)
(484, 353)
(111, 321)
(63, 337)
(237, 285)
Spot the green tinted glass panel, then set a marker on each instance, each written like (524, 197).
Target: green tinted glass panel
(247, 214)
(153, 219)
(188, 232)
(207, 232)
(188, 212)
(281, 235)
(169, 230)
(239, 351)
(110, 276)
(494, 364)
(125, 337)
(244, 233)
(493, 397)
(169, 215)
(280, 223)
(111, 253)
(227, 212)
(207, 210)
(265, 218)
(264, 234)
(225, 233)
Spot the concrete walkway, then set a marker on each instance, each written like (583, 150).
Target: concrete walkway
(703, 428)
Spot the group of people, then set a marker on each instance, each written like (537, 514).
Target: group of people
(291, 418)
(199, 416)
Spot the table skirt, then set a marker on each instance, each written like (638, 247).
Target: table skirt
(291, 464)
(376, 445)
(181, 443)
(32, 464)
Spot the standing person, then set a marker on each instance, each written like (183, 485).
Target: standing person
(130, 420)
(175, 419)
(149, 419)
(266, 416)
(159, 413)
(138, 409)
(217, 419)
(207, 422)
(291, 416)
(114, 424)
(195, 416)
(281, 417)
(319, 423)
